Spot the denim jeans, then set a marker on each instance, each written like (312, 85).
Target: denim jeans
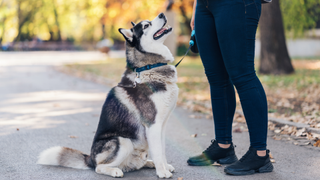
(225, 35)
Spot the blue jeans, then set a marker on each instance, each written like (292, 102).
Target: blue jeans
(225, 34)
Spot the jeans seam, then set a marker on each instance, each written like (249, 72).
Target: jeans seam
(257, 10)
(226, 103)
(266, 133)
(245, 9)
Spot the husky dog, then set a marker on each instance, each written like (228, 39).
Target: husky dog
(134, 115)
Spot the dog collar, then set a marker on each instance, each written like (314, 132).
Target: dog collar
(138, 70)
(147, 67)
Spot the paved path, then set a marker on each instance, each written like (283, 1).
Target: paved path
(40, 108)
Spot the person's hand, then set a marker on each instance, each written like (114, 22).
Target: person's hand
(192, 23)
(193, 14)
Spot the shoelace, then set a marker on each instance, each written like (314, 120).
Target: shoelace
(210, 147)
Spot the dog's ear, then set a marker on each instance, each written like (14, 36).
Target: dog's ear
(133, 24)
(127, 34)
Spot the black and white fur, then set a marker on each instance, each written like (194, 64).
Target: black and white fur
(132, 120)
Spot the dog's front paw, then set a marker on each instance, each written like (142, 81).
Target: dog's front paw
(164, 174)
(170, 167)
(116, 172)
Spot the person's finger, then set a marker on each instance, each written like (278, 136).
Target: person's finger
(192, 24)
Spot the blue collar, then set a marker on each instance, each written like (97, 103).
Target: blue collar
(147, 67)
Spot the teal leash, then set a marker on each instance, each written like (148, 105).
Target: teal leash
(191, 43)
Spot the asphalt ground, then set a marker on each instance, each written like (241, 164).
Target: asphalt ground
(41, 108)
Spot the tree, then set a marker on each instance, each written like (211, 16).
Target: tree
(25, 14)
(274, 57)
(299, 16)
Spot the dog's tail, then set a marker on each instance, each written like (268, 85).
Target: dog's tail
(62, 156)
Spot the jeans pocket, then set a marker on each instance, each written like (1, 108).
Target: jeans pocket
(248, 2)
(252, 8)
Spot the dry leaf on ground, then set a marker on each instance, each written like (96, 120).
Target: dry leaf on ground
(271, 157)
(237, 130)
(317, 144)
(180, 178)
(194, 135)
(216, 164)
(72, 136)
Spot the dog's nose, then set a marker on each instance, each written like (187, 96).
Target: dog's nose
(161, 15)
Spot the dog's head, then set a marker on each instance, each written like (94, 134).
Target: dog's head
(145, 42)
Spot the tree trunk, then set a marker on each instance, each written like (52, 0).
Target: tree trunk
(57, 25)
(3, 30)
(187, 19)
(22, 19)
(274, 57)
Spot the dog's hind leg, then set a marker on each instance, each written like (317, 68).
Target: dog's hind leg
(111, 171)
(125, 149)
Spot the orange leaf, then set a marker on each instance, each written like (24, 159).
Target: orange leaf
(317, 144)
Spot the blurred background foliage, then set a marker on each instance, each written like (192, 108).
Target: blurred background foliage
(300, 15)
(93, 20)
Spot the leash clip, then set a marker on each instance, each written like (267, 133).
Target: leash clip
(137, 79)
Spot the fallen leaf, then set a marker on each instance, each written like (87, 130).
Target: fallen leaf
(17, 129)
(316, 136)
(277, 131)
(180, 178)
(270, 155)
(237, 130)
(194, 135)
(300, 132)
(216, 164)
(72, 136)
(307, 143)
(272, 160)
(317, 144)
(276, 138)
(309, 136)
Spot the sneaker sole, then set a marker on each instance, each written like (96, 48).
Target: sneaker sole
(227, 160)
(264, 169)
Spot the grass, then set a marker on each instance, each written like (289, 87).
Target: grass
(288, 95)
(302, 78)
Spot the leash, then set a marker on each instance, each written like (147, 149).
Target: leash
(184, 56)
(191, 44)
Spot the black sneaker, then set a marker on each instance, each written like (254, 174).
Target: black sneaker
(250, 163)
(214, 153)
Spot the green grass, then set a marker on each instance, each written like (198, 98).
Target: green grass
(302, 78)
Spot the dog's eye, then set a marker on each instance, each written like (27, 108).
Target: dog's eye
(146, 26)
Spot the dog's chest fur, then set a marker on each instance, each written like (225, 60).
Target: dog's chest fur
(157, 86)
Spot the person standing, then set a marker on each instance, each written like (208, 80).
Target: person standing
(225, 32)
